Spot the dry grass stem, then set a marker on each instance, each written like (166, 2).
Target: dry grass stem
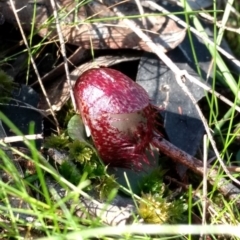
(63, 51)
(155, 6)
(20, 138)
(205, 177)
(141, 11)
(34, 65)
(224, 186)
(215, 93)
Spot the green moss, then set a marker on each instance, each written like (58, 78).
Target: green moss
(157, 209)
(6, 86)
(107, 184)
(58, 142)
(158, 204)
(153, 182)
(65, 114)
(80, 152)
(70, 171)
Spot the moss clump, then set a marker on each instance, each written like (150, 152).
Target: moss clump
(70, 171)
(80, 152)
(77, 158)
(107, 184)
(153, 183)
(157, 209)
(6, 86)
(158, 204)
(60, 142)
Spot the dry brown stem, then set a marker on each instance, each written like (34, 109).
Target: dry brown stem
(223, 185)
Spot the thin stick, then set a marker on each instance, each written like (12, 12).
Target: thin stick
(20, 138)
(155, 6)
(215, 93)
(34, 65)
(63, 51)
(141, 11)
(205, 173)
(208, 18)
(223, 185)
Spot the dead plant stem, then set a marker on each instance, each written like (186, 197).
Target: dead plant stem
(155, 6)
(224, 186)
(63, 51)
(34, 65)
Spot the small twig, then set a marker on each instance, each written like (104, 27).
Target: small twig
(20, 138)
(223, 185)
(234, 169)
(63, 51)
(233, 10)
(141, 11)
(205, 176)
(155, 6)
(215, 93)
(213, 209)
(74, 59)
(219, 24)
(34, 64)
(24, 105)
